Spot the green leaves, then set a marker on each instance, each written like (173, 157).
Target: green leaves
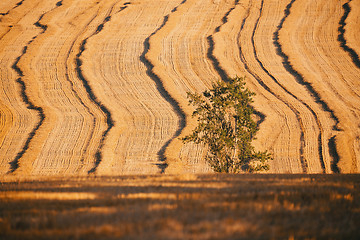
(225, 126)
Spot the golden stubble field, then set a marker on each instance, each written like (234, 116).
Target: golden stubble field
(93, 105)
(99, 87)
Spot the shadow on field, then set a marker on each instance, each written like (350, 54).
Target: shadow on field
(183, 207)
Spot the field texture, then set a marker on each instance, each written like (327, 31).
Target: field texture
(182, 207)
(99, 87)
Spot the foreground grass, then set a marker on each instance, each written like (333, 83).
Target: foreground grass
(182, 207)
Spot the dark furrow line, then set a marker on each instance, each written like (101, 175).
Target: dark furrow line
(266, 87)
(16, 5)
(210, 53)
(163, 92)
(216, 64)
(225, 18)
(303, 160)
(39, 25)
(4, 14)
(354, 57)
(79, 98)
(175, 8)
(14, 164)
(334, 155)
(109, 121)
(299, 78)
(341, 37)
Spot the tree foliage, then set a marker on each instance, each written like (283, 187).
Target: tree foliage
(226, 127)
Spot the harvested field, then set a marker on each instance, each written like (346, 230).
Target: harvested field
(93, 105)
(99, 87)
(182, 207)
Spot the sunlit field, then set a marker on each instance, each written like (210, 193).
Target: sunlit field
(89, 86)
(94, 107)
(182, 207)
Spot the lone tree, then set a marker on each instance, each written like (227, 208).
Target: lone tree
(226, 127)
